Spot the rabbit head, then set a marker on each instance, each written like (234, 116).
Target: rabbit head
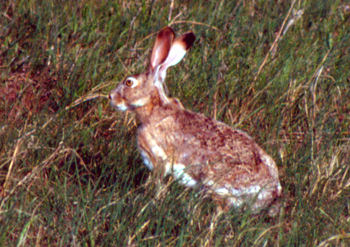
(142, 89)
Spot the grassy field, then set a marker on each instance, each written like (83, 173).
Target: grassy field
(70, 172)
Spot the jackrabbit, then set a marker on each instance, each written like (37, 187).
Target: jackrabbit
(195, 149)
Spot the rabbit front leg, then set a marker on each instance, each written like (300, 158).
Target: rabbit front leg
(163, 159)
(153, 155)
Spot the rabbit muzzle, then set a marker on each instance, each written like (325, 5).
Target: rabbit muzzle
(117, 101)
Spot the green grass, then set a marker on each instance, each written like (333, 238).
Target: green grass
(71, 175)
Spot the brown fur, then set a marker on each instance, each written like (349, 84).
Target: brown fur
(226, 161)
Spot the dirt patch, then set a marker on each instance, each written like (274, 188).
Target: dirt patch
(24, 93)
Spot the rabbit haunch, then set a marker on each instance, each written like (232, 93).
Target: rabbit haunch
(193, 148)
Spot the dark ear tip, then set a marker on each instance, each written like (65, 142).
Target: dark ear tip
(189, 39)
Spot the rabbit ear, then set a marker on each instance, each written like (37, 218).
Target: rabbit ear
(177, 51)
(161, 48)
(166, 53)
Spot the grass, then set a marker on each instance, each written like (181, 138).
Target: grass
(70, 172)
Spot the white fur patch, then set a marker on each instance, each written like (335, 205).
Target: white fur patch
(222, 191)
(253, 190)
(159, 84)
(263, 194)
(279, 188)
(140, 102)
(122, 106)
(159, 152)
(179, 173)
(177, 170)
(235, 195)
(236, 202)
(146, 160)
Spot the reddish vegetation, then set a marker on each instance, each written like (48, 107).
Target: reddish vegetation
(25, 92)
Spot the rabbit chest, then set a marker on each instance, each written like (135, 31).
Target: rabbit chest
(162, 146)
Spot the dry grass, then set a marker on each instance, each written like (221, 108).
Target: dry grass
(70, 172)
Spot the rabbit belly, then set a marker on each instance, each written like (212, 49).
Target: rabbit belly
(256, 196)
(238, 197)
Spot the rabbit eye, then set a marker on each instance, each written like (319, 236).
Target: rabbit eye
(129, 82)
